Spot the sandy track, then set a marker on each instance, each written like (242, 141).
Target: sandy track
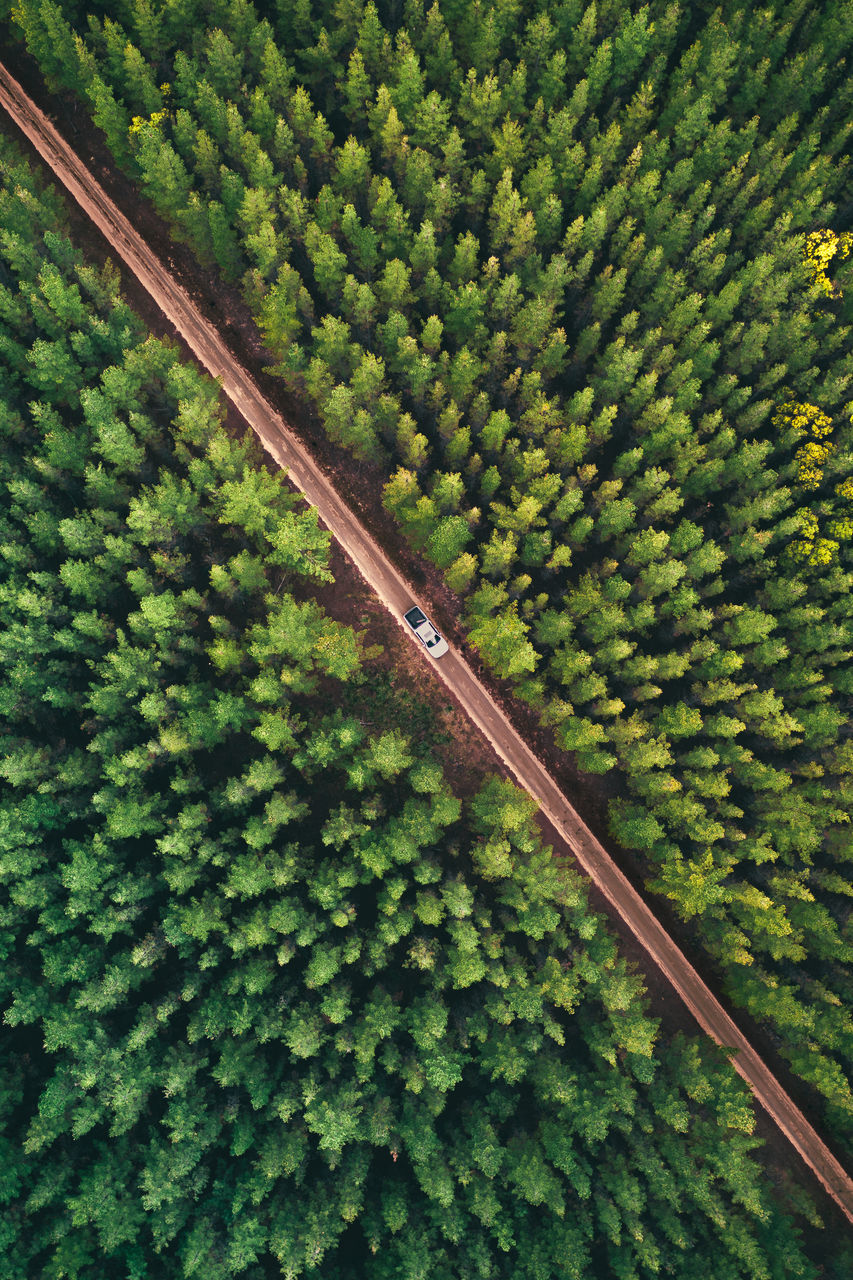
(397, 596)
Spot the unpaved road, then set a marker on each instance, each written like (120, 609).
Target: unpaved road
(397, 596)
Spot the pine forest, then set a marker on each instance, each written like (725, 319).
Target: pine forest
(570, 285)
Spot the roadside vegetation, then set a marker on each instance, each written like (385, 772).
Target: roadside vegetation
(275, 1002)
(572, 278)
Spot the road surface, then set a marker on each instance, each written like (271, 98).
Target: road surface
(397, 596)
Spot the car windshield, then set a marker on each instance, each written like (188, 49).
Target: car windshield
(435, 639)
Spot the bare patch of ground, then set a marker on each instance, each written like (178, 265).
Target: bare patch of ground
(465, 754)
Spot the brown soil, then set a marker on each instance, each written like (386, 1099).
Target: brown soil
(350, 601)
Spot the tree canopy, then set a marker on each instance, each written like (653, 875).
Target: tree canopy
(573, 279)
(276, 1002)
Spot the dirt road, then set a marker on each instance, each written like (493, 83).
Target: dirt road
(397, 596)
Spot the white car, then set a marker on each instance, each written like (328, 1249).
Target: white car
(426, 632)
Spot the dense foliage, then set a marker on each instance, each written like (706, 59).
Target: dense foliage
(274, 1003)
(565, 271)
(227, 916)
